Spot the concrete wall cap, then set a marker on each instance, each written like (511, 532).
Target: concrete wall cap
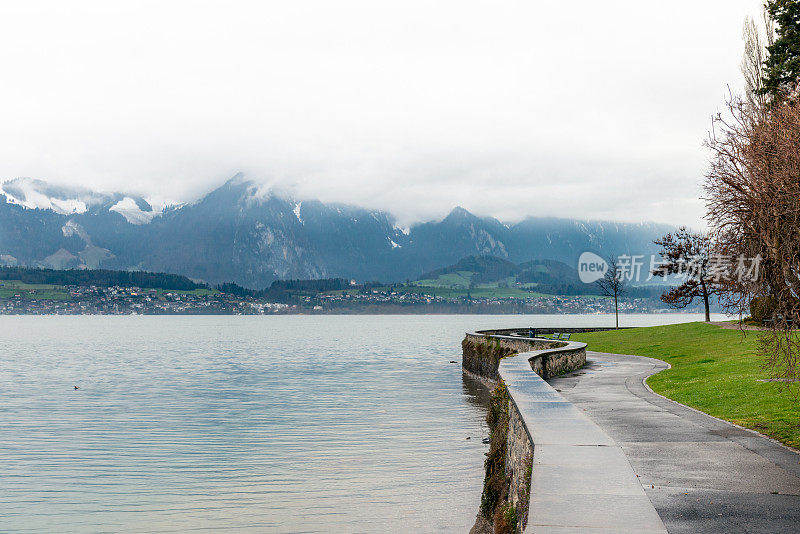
(565, 435)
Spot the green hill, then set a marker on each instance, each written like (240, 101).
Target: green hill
(489, 272)
(492, 276)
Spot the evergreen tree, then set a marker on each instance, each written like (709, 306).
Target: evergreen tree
(783, 64)
(688, 254)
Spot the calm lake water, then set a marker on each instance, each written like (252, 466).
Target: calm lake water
(263, 424)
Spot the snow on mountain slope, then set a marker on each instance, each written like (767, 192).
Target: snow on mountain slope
(130, 209)
(252, 236)
(37, 194)
(71, 228)
(34, 194)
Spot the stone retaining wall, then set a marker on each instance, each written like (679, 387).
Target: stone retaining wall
(519, 464)
(483, 353)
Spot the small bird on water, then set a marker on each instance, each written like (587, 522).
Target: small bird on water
(76, 387)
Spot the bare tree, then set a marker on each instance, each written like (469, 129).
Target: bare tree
(752, 191)
(613, 284)
(688, 254)
(752, 187)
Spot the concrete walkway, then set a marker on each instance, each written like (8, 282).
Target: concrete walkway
(581, 480)
(700, 473)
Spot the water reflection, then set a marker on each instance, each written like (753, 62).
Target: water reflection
(476, 392)
(253, 424)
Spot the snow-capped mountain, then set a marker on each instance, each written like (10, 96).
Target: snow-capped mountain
(242, 233)
(37, 194)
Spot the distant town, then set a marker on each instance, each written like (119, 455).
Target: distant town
(18, 298)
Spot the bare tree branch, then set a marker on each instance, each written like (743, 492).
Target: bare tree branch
(613, 284)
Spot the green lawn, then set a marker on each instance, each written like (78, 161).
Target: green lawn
(10, 288)
(349, 291)
(460, 279)
(714, 370)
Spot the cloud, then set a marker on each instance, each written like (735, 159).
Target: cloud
(586, 109)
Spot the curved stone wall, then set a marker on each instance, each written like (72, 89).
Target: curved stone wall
(487, 354)
(558, 461)
(483, 351)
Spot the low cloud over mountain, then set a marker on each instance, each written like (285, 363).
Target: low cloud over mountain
(244, 234)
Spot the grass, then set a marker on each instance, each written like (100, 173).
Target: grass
(714, 370)
(11, 288)
(348, 291)
(511, 281)
(460, 279)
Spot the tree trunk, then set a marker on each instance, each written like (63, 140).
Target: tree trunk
(616, 311)
(705, 301)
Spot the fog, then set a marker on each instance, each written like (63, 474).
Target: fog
(581, 109)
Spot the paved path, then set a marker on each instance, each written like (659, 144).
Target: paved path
(582, 481)
(700, 473)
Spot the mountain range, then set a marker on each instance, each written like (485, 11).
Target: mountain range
(241, 233)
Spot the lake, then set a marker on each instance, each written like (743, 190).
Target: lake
(248, 423)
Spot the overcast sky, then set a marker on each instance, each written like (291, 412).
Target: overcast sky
(582, 109)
